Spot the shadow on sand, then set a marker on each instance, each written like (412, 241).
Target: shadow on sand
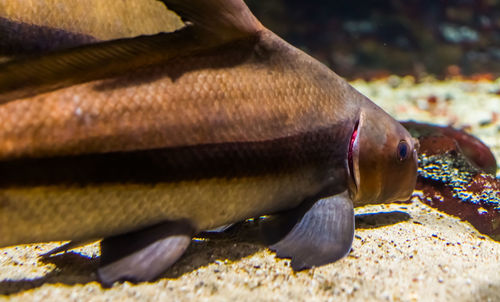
(73, 268)
(380, 219)
(241, 240)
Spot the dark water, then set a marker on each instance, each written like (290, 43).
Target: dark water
(377, 37)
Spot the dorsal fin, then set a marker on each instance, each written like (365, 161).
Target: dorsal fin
(211, 26)
(225, 19)
(101, 19)
(37, 27)
(18, 38)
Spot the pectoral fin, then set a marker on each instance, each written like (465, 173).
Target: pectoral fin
(322, 235)
(143, 255)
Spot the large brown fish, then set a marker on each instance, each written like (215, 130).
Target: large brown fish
(147, 141)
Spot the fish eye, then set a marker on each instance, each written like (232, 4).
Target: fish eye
(403, 150)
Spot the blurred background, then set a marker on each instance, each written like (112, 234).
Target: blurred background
(375, 38)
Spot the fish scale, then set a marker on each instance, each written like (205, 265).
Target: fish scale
(108, 115)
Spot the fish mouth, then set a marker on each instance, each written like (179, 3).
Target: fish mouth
(352, 156)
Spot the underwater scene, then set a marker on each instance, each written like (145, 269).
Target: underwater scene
(222, 150)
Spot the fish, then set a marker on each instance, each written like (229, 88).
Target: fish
(36, 27)
(144, 142)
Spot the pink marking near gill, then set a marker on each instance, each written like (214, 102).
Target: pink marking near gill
(351, 146)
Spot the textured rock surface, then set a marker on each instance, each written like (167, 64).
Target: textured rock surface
(451, 184)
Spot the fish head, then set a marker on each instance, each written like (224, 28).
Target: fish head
(382, 159)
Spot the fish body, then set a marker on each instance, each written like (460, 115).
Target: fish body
(230, 95)
(245, 104)
(233, 123)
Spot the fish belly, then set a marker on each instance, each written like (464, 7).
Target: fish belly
(49, 213)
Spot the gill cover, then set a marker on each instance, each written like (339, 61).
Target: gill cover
(382, 159)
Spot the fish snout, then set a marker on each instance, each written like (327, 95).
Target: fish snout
(384, 160)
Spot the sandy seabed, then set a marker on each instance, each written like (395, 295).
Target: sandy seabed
(401, 252)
